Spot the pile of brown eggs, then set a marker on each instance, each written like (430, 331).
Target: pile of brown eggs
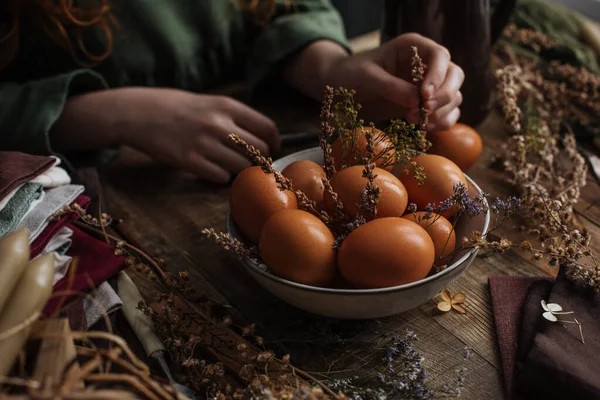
(393, 248)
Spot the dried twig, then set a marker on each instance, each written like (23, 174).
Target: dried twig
(418, 70)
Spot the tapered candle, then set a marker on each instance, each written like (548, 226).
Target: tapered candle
(29, 296)
(14, 256)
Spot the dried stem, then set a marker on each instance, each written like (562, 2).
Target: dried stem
(228, 243)
(372, 192)
(340, 215)
(327, 131)
(418, 70)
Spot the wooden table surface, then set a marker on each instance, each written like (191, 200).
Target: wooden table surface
(164, 213)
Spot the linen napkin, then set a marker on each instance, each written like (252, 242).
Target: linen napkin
(554, 363)
(106, 301)
(60, 242)
(19, 205)
(54, 177)
(55, 226)
(96, 262)
(17, 168)
(38, 219)
(508, 294)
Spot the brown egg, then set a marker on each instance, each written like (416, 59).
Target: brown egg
(441, 175)
(349, 185)
(461, 144)
(386, 252)
(254, 197)
(353, 151)
(441, 232)
(297, 246)
(307, 176)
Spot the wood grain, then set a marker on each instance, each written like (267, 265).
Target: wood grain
(164, 213)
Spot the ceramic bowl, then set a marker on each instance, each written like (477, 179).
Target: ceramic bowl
(361, 303)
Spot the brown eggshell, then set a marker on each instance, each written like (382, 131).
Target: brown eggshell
(441, 232)
(386, 252)
(254, 197)
(461, 144)
(297, 246)
(353, 150)
(307, 176)
(441, 175)
(349, 185)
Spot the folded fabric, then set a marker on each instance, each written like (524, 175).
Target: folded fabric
(508, 294)
(38, 219)
(12, 215)
(54, 177)
(106, 301)
(60, 242)
(9, 196)
(17, 168)
(56, 225)
(94, 261)
(75, 314)
(554, 362)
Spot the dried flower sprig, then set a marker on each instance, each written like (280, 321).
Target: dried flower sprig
(403, 374)
(542, 162)
(327, 131)
(418, 70)
(551, 310)
(536, 41)
(229, 243)
(570, 94)
(284, 183)
(347, 229)
(340, 217)
(372, 192)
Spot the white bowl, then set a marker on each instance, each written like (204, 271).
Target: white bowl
(361, 303)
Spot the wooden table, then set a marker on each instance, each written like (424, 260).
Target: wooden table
(165, 213)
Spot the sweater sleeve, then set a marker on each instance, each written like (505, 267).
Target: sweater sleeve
(29, 109)
(292, 28)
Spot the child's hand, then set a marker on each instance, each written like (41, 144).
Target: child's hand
(382, 78)
(174, 127)
(384, 75)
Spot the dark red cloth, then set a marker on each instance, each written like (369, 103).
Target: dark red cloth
(17, 168)
(553, 362)
(54, 227)
(508, 294)
(96, 262)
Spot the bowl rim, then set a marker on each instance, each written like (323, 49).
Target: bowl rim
(251, 264)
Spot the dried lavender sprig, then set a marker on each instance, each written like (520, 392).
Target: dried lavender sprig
(340, 214)
(327, 131)
(284, 183)
(257, 158)
(228, 243)
(304, 203)
(418, 70)
(347, 229)
(371, 193)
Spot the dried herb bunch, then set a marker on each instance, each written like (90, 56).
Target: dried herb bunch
(403, 374)
(396, 144)
(418, 70)
(283, 183)
(468, 207)
(544, 103)
(209, 352)
(571, 94)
